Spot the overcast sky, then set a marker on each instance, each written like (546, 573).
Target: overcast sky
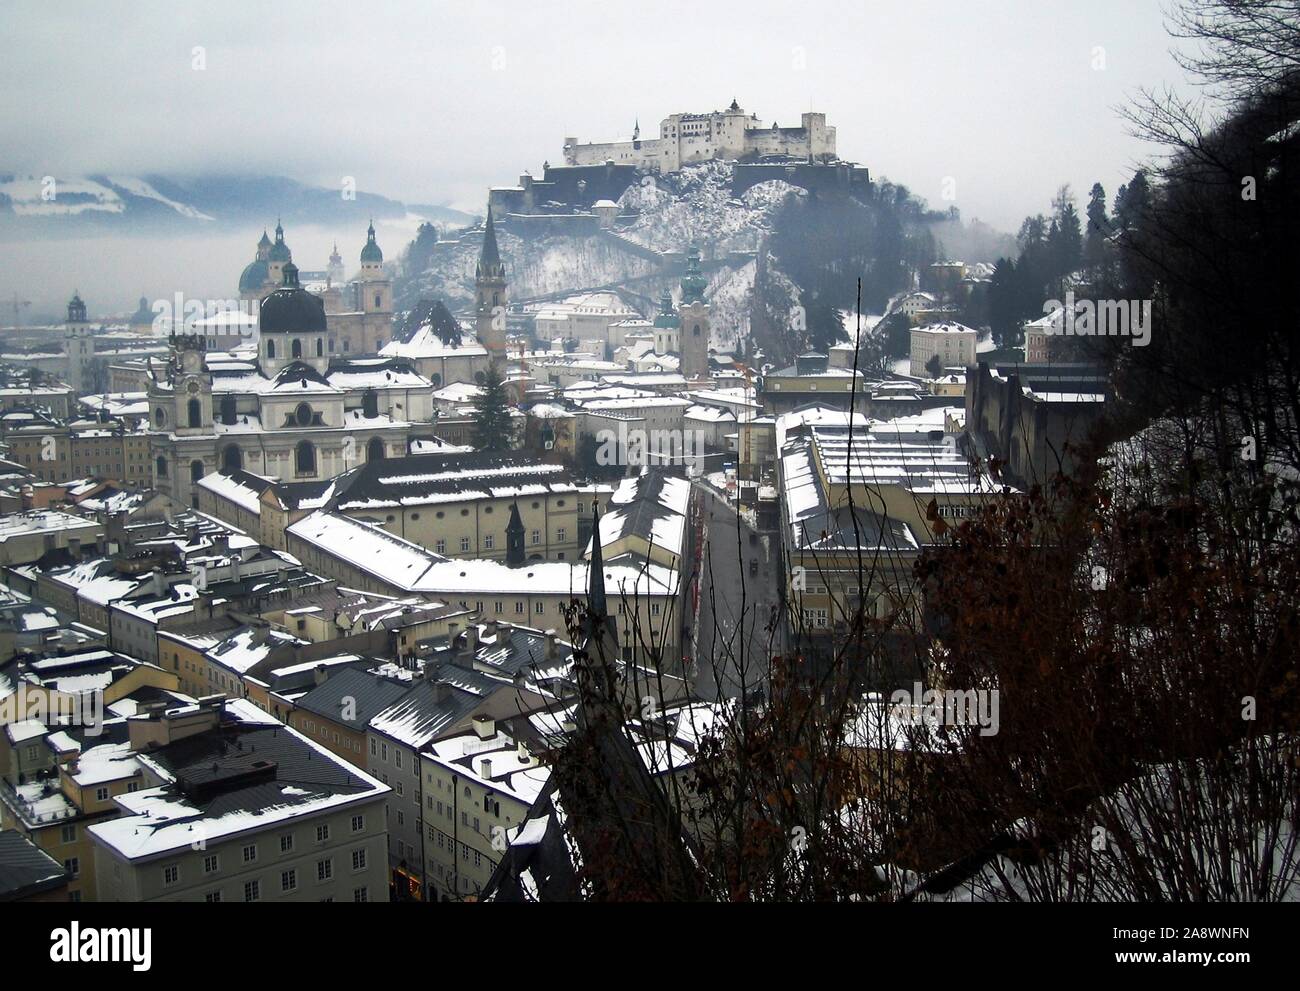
(434, 101)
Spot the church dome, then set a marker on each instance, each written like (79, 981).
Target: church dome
(292, 309)
(253, 277)
(371, 252)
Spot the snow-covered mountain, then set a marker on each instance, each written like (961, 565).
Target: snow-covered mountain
(58, 206)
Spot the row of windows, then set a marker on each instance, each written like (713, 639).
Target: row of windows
(324, 868)
(490, 540)
(296, 348)
(288, 882)
(248, 853)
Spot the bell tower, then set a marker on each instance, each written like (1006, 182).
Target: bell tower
(376, 291)
(78, 345)
(693, 320)
(490, 296)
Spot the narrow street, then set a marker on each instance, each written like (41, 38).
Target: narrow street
(737, 607)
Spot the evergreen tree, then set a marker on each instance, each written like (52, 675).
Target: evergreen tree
(1132, 202)
(1004, 302)
(1094, 244)
(1066, 240)
(492, 427)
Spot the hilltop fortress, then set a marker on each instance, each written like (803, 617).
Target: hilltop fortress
(724, 134)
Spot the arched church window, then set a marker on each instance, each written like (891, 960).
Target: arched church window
(270, 349)
(297, 348)
(377, 301)
(160, 467)
(304, 458)
(320, 348)
(302, 415)
(195, 413)
(196, 470)
(232, 459)
(228, 410)
(375, 449)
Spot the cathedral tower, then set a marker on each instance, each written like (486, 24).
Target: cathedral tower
(376, 291)
(277, 256)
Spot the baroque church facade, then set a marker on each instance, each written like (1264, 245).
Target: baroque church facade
(299, 410)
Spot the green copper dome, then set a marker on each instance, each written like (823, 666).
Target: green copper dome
(693, 283)
(667, 317)
(254, 276)
(371, 252)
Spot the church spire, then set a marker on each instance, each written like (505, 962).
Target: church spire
(489, 259)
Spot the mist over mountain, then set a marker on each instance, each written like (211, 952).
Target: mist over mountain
(78, 206)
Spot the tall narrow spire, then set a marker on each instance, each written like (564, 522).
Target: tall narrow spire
(596, 604)
(489, 259)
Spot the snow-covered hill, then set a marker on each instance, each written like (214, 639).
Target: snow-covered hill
(694, 206)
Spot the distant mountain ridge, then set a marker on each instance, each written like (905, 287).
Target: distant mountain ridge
(82, 205)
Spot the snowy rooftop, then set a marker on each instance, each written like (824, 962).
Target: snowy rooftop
(240, 796)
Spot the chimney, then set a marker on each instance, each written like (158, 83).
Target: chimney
(320, 674)
(552, 645)
(442, 692)
(157, 582)
(485, 768)
(485, 727)
(490, 629)
(471, 639)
